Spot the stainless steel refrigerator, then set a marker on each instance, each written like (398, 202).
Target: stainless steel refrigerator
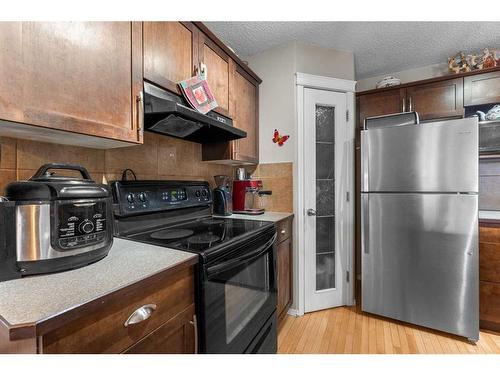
(419, 224)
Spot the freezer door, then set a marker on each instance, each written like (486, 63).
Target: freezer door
(431, 157)
(420, 260)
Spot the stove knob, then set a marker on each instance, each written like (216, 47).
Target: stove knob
(204, 193)
(130, 198)
(197, 193)
(87, 226)
(142, 197)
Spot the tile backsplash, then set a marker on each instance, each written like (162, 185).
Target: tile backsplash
(159, 157)
(489, 184)
(277, 177)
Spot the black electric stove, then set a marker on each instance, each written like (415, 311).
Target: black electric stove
(236, 282)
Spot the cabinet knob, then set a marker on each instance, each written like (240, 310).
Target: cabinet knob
(141, 314)
(283, 231)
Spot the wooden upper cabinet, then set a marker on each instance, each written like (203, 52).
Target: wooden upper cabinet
(436, 100)
(244, 111)
(380, 103)
(170, 52)
(81, 77)
(482, 89)
(217, 63)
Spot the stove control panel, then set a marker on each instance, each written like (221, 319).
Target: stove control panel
(135, 197)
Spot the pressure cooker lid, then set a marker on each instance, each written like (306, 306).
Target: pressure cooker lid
(46, 185)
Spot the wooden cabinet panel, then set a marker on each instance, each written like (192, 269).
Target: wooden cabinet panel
(244, 108)
(170, 52)
(284, 229)
(177, 336)
(82, 77)
(217, 62)
(11, 88)
(104, 332)
(489, 305)
(482, 89)
(489, 262)
(437, 100)
(489, 276)
(284, 276)
(378, 104)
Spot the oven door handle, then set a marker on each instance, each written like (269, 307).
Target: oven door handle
(212, 270)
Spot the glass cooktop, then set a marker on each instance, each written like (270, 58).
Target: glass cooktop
(200, 235)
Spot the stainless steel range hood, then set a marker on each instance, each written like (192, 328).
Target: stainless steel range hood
(169, 114)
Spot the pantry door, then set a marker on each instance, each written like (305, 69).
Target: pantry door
(326, 198)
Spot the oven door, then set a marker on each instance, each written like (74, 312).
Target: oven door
(238, 296)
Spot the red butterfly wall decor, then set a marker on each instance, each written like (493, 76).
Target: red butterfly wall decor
(279, 139)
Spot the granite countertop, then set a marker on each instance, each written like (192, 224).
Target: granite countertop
(266, 216)
(489, 215)
(32, 299)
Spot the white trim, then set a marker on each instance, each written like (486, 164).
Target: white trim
(325, 83)
(333, 84)
(293, 312)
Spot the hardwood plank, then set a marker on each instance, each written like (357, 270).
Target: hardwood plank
(349, 330)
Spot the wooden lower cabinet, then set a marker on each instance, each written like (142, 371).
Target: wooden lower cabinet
(284, 265)
(169, 329)
(489, 276)
(177, 336)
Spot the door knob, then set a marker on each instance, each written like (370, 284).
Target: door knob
(311, 212)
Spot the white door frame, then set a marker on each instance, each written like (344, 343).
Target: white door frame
(303, 81)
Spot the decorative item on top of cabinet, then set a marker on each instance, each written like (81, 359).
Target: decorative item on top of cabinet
(284, 279)
(76, 77)
(482, 88)
(170, 53)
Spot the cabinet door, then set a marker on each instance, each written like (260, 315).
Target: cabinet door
(437, 100)
(170, 52)
(217, 63)
(482, 89)
(244, 111)
(177, 336)
(284, 275)
(381, 103)
(82, 77)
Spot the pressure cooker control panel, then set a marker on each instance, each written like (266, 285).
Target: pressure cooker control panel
(81, 224)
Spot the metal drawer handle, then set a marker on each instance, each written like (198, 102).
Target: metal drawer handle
(141, 314)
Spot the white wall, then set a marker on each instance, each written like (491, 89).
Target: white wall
(410, 75)
(277, 67)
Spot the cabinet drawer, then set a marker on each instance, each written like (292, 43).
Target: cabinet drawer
(103, 331)
(489, 234)
(284, 228)
(489, 303)
(489, 262)
(177, 336)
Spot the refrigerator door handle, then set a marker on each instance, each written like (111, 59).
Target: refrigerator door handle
(365, 217)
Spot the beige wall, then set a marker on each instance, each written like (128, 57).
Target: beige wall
(277, 68)
(410, 75)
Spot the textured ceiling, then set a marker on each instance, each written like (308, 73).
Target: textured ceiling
(379, 47)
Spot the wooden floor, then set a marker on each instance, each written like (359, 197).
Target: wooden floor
(348, 330)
